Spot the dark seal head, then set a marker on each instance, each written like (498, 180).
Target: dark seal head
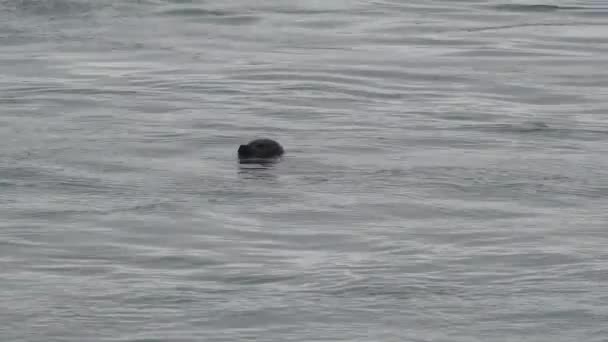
(260, 149)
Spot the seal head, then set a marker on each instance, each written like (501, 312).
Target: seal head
(260, 149)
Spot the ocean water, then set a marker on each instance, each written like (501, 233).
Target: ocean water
(445, 176)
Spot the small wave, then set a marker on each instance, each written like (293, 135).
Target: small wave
(534, 8)
(522, 25)
(196, 12)
(525, 127)
(542, 128)
(48, 7)
(226, 17)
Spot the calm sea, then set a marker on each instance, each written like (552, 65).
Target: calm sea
(445, 176)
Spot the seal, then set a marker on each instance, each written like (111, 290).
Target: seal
(260, 149)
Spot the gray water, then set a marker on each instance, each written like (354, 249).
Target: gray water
(445, 176)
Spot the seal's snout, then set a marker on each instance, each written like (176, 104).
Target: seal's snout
(244, 150)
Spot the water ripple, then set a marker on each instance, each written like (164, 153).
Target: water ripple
(445, 170)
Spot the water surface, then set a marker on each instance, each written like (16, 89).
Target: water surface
(445, 176)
